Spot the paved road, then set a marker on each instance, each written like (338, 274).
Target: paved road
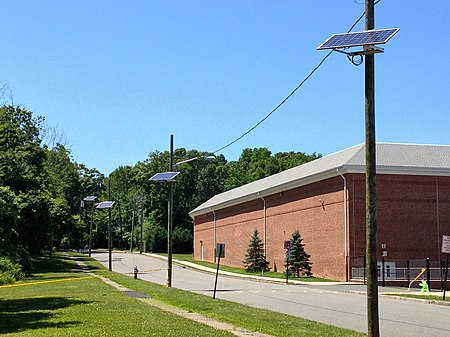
(334, 305)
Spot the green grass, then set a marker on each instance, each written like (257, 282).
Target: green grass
(423, 297)
(69, 304)
(240, 315)
(83, 307)
(190, 258)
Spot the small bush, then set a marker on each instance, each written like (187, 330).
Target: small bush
(182, 241)
(156, 239)
(10, 271)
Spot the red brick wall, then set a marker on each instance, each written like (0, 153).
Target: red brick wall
(322, 228)
(413, 213)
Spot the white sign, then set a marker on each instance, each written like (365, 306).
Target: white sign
(384, 253)
(446, 244)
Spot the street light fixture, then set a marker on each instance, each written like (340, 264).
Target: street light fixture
(91, 198)
(207, 156)
(170, 178)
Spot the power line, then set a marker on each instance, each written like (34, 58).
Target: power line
(288, 96)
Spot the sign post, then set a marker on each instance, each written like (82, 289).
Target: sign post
(445, 250)
(383, 255)
(287, 246)
(220, 252)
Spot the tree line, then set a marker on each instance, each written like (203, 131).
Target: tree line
(42, 190)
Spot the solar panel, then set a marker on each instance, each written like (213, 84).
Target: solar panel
(105, 204)
(164, 176)
(368, 37)
(90, 198)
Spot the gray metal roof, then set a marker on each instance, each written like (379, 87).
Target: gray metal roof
(409, 159)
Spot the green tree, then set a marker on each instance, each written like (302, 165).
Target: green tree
(22, 162)
(21, 156)
(33, 225)
(92, 183)
(8, 220)
(299, 262)
(255, 261)
(258, 163)
(182, 241)
(287, 160)
(211, 178)
(62, 180)
(156, 238)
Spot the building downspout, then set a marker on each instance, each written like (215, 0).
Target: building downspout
(215, 237)
(345, 224)
(265, 225)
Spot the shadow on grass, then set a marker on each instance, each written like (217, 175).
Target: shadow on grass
(58, 264)
(33, 313)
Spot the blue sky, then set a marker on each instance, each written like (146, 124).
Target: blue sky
(118, 77)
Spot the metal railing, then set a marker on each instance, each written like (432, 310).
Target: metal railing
(396, 271)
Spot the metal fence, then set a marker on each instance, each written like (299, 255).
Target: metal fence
(399, 271)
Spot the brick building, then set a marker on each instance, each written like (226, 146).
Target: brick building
(325, 200)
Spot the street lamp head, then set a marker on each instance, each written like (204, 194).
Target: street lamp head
(206, 156)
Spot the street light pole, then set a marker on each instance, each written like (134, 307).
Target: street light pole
(132, 227)
(92, 199)
(109, 228)
(170, 178)
(170, 221)
(108, 205)
(90, 229)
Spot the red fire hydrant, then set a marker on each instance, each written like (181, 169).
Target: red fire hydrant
(135, 271)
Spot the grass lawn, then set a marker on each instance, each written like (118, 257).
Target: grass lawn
(50, 305)
(278, 275)
(426, 297)
(58, 300)
(240, 315)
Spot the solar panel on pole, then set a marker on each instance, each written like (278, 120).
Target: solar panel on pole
(364, 38)
(90, 198)
(164, 176)
(105, 204)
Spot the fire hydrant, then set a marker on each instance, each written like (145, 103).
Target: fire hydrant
(135, 271)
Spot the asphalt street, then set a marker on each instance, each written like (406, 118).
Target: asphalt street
(339, 305)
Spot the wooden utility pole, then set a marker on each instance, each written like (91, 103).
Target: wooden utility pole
(132, 226)
(371, 204)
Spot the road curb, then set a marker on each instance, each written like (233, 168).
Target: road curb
(242, 276)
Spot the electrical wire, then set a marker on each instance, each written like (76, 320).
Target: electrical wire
(288, 96)
(277, 107)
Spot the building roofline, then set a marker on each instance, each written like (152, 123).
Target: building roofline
(392, 159)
